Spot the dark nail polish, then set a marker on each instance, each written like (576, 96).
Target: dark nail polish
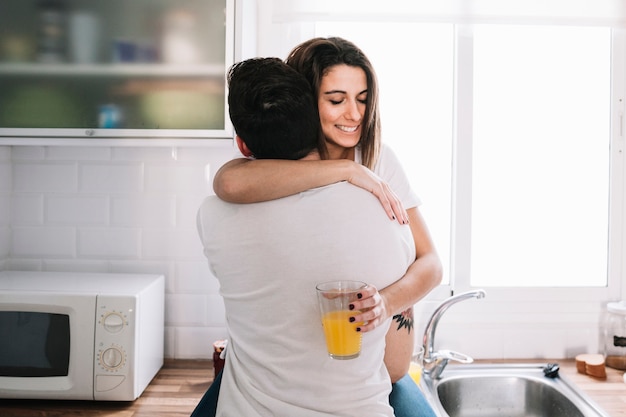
(352, 319)
(351, 306)
(358, 329)
(359, 296)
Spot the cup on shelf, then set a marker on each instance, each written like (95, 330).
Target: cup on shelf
(124, 50)
(109, 116)
(84, 37)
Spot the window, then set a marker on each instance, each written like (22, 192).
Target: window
(540, 162)
(505, 132)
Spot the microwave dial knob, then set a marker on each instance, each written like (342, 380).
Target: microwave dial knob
(113, 322)
(112, 358)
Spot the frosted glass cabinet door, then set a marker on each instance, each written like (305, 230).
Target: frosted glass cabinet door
(115, 68)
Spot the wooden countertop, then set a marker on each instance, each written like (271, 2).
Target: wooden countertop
(174, 392)
(178, 387)
(609, 393)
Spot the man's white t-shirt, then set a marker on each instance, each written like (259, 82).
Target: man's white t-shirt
(268, 258)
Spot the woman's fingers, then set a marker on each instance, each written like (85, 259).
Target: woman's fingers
(366, 179)
(395, 205)
(370, 309)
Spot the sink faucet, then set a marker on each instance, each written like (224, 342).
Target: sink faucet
(435, 362)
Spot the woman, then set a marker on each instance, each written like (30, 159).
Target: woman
(345, 83)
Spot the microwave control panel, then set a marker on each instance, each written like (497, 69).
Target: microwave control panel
(115, 335)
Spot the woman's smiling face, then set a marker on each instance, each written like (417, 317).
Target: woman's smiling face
(342, 102)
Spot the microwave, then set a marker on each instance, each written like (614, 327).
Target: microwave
(79, 336)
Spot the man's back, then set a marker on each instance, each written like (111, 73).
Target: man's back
(268, 257)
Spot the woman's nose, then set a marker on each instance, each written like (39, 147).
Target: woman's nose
(353, 112)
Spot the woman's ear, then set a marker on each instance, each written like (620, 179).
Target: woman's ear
(243, 148)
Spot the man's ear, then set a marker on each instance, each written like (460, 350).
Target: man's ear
(243, 148)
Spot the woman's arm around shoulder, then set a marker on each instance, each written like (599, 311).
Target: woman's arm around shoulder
(254, 180)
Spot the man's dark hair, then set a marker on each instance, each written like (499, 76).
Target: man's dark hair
(272, 109)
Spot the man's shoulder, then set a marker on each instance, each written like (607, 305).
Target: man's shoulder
(210, 206)
(347, 197)
(342, 191)
(210, 201)
(341, 194)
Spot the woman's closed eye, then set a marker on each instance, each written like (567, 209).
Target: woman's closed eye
(336, 102)
(335, 98)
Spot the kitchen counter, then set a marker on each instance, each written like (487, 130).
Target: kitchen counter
(178, 387)
(609, 393)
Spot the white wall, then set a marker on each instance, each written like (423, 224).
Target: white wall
(120, 209)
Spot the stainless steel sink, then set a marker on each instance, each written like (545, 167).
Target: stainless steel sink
(506, 390)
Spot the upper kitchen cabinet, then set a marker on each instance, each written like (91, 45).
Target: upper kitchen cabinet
(115, 69)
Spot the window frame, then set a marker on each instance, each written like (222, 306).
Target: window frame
(461, 230)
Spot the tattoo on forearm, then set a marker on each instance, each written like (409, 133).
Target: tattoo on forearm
(405, 319)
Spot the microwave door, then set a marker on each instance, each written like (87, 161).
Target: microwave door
(40, 354)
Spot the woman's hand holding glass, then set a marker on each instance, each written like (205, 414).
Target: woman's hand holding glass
(373, 309)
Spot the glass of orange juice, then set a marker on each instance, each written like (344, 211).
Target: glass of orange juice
(343, 341)
(417, 363)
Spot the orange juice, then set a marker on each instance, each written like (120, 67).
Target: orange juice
(415, 372)
(342, 339)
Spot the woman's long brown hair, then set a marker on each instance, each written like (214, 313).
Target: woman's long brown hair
(315, 57)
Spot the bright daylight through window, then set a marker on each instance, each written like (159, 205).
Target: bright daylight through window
(536, 168)
(540, 180)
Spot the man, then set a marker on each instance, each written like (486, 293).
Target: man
(269, 256)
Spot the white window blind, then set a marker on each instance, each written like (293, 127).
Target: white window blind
(574, 12)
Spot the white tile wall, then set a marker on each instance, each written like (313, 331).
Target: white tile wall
(45, 177)
(122, 209)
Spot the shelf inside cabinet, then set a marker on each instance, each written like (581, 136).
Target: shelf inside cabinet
(118, 69)
(112, 70)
